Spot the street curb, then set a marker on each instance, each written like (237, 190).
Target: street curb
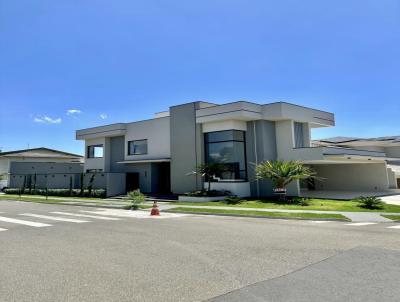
(255, 216)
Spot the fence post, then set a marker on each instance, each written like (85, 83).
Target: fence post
(47, 186)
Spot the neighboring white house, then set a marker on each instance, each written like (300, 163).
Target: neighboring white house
(156, 155)
(16, 164)
(389, 145)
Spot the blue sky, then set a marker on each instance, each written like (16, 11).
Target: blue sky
(125, 60)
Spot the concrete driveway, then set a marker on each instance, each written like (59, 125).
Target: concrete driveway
(394, 199)
(190, 258)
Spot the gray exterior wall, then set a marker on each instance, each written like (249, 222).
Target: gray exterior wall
(116, 184)
(117, 153)
(260, 146)
(44, 168)
(186, 148)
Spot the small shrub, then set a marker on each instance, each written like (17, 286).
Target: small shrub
(204, 193)
(14, 191)
(233, 200)
(372, 203)
(137, 198)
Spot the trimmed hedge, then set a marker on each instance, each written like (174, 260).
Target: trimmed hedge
(96, 193)
(212, 193)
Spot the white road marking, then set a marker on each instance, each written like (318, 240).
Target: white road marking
(57, 218)
(394, 227)
(87, 216)
(361, 223)
(24, 222)
(134, 214)
(319, 221)
(2, 230)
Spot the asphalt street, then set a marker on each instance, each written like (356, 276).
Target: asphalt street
(73, 255)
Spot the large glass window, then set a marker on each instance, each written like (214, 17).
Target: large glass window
(227, 147)
(95, 151)
(138, 147)
(298, 135)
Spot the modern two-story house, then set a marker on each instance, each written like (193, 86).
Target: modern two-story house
(156, 155)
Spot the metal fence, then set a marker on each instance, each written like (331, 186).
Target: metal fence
(113, 183)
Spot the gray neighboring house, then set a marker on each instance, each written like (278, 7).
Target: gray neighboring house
(390, 145)
(15, 165)
(156, 155)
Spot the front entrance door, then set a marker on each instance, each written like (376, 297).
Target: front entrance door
(164, 178)
(132, 181)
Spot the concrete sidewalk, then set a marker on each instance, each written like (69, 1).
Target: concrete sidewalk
(354, 216)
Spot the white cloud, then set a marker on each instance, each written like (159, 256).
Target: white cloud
(103, 116)
(47, 120)
(38, 120)
(73, 111)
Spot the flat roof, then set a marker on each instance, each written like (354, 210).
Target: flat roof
(33, 152)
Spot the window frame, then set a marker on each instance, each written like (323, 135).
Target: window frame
(138, 140)
(88, 153)
(206, 148)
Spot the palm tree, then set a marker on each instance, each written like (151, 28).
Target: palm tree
(282, 173)
(209, 171)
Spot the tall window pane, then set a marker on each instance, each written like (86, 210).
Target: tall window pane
(298, 135)
(229, 151)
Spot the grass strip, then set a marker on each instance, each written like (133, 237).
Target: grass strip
(29, 196)
(312, 204)
(97, 202)
(259, 213)
(27, 199)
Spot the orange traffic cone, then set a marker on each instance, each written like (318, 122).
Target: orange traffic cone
(154, 210)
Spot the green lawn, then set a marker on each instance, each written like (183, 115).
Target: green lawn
(392, 217)
(29, 199)
(42, 199)
(259, 213)
(314, 204)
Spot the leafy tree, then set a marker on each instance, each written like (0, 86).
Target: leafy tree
(34, 183)
(90, 185)
(209, 171)
(82, 180)
(70, 185)
(23, 185)
(282, 173)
